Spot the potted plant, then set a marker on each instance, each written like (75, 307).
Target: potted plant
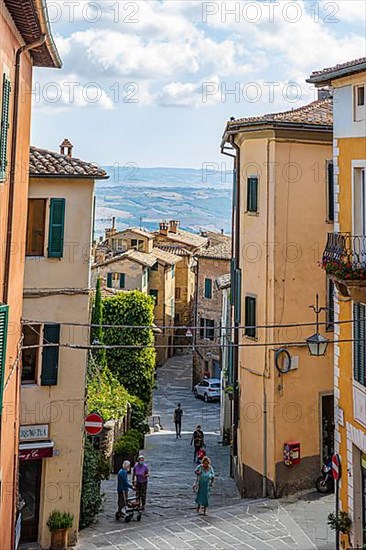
(125, 448)
(341, 524)
(59, 524)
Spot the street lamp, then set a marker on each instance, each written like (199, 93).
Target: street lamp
(317, 344)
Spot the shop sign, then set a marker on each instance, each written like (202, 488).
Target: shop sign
(36, 452)
(35, 432)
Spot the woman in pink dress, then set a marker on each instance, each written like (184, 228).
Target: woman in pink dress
(139, 479)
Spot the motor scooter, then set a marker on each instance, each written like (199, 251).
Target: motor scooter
(325, 482)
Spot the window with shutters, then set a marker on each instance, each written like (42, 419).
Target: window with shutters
(122, 280)
(178, 291)
(109, 280)
(250, 316)
(56, 228)
(330, 305)
(4, 127)
(31, 337)
(252, 194)
(330, 191)
(4, 310)
(359, 344)
(155, 294)
(36, 220)
(50, 355)
(208, 288)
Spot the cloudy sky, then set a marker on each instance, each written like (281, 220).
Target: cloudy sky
(153, 82)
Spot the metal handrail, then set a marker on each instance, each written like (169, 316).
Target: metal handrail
(346, 248)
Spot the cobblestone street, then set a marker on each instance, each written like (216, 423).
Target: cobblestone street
(170, 520)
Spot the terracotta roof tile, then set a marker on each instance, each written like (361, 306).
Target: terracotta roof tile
(44, 163)
(338, 71)
(220, 251)
(166, 257)
(185, 237)
(318, 113)
(175, 249)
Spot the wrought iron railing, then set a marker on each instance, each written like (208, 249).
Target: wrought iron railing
(347, 249)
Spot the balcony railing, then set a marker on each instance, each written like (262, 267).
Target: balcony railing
(343, 248)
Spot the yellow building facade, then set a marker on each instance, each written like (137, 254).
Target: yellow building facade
(344, 257)
(56, 296)
(282, 395)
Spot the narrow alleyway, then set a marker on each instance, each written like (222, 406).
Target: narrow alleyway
(170, 520)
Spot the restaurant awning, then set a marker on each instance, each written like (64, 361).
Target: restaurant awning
(36, 450)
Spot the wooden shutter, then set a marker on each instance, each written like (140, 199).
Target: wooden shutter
(122, 278)
(359, 344)
(4, 126)
(252, 194)
(208, 288)
(4, 310)
(56, 229)
(50, 355)
(250, 316)
(109, 280)
(237, 303)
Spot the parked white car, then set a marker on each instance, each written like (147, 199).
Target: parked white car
(209, 389)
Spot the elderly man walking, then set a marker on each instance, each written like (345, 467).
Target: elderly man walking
(123, 486)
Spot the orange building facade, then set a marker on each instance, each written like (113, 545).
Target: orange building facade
(25, 42)
(345, 259)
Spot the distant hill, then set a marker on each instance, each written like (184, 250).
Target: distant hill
(145, 196)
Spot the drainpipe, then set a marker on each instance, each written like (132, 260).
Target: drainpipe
(14, 140)
(9, 229)
(235, 254)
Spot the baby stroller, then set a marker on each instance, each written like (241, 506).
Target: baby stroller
(133, 507)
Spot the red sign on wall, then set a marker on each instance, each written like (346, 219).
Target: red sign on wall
(94, 424)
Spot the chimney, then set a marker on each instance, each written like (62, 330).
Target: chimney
(67, 146)
(163, 228)
(325, 93)
(173, 226)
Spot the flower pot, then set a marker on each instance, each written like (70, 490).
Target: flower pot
(118, 460)
(59, 539)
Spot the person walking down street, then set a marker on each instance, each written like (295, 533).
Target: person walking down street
(139, 480)
(123, 486)
(178, 413)
(198, 440)
(205, 478)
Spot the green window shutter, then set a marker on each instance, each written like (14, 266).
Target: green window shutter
(122, 278)
(252, 194)
(232, 281)
(4, 126)
(57, 228)
(51, 335)
(250, 316)
(109, 280)
(237, 299)
(208, 288)
(4, 311)
(230, 367)
(330, 182)
(359, 344)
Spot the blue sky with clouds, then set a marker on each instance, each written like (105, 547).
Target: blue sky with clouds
(153, 82)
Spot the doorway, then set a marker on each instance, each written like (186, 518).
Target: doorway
(327, 430)
(30, 472)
